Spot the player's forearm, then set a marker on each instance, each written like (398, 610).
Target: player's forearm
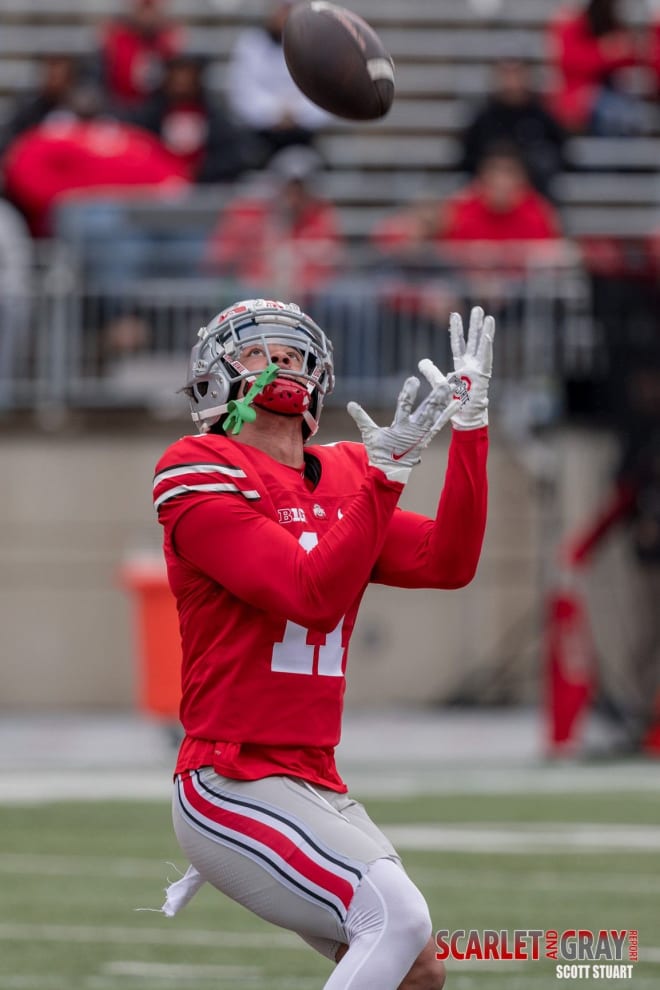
(458, 531)
(442, 552)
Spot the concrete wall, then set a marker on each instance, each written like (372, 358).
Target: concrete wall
(75, 507)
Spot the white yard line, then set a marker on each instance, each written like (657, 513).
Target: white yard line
(545, 778)
(34, 981)
(36, 787)
(33, 787)
(102, 934)
(45, 864)
(524, 839)
(618, 883)
(179, 972)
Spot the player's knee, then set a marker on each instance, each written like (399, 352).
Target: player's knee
(413, 926)
(408, 918)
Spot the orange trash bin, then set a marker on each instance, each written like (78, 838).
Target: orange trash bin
(157, 639)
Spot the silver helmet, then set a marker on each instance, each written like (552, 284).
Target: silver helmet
(216, 372)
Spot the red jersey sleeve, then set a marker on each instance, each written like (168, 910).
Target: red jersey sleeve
(220, 527)
(443, 552)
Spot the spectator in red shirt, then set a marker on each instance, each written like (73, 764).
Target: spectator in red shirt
(430, 251)
(495, 231)
(182, 114)
(588, 48)
(286, 237)
(75, 178)
(133, 51)
(655, 53)
(500, 205)
(84, 153)
(495, 228)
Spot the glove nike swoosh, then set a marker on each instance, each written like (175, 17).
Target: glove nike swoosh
(397, 457)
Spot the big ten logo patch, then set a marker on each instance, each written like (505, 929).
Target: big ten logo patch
(294, 515)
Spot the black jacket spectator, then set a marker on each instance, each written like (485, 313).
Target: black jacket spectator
(514, 116)
(183, 116)
(59, 74)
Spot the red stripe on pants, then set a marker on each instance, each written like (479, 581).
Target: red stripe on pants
(269, 836)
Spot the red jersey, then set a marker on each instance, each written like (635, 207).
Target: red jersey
(583, 63)
(470, 218)
(133, 61)
(655, 53)
(268, 569)
(86, 157)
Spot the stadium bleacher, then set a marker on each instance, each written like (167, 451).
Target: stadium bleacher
(443, 55)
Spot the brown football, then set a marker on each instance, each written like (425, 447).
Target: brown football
(338, 61)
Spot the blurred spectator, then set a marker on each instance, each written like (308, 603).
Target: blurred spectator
(655, 53)
(430, 248)
(410, 236)
(654, 252)
(495, 231)
(133, 50)
(15, 280)
(285, 238)
(588, 48)
(514, 113)
(181, 113)
(59, 74)
(413, 275)
(500, 205)
(260, 92)
(86, 152)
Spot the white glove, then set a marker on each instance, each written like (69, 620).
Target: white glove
(473, 364)
(397, 448)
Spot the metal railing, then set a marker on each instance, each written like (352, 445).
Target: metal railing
(81, 344)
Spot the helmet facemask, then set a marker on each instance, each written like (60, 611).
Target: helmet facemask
(217, 374)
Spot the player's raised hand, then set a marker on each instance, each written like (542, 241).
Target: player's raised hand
(473, 363)
(397, 448)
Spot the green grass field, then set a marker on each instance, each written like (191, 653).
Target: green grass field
(71, 876)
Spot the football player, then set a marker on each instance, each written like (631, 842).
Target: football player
(270, 545)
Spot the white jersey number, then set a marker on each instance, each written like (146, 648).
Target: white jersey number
(294, 655)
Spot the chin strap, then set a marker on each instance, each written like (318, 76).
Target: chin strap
(312, 425)
(240, 410)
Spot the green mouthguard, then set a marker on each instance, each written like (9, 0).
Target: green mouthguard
(240, 410)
